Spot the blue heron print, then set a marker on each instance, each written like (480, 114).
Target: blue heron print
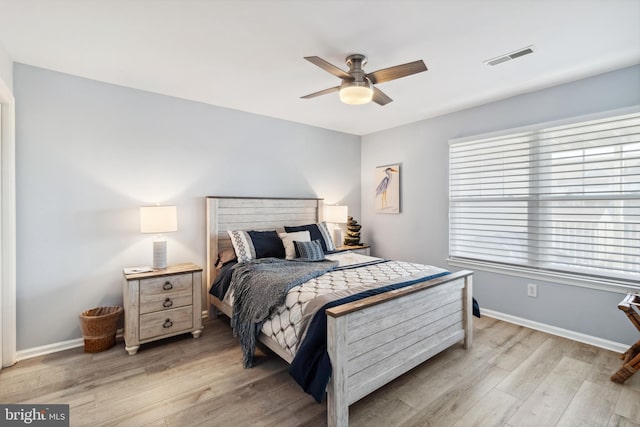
(385, 186)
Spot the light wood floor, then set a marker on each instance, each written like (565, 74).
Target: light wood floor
(513, 376)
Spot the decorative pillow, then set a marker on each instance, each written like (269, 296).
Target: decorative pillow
(256, 244)
(224, 257)
(317, 231)
(267, 244)
(287, 241)
(311, 251)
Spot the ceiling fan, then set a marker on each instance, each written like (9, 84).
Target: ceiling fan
(357, 87)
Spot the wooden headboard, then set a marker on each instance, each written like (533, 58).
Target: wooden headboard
(253, 213)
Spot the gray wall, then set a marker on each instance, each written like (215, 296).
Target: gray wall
(420, 232)
(89, 154)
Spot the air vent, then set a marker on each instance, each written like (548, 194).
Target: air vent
(509, 56)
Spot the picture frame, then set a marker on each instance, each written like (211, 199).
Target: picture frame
(387, 190)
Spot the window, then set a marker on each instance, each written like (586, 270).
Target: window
(555, 198)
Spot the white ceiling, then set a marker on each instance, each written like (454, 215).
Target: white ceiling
(248, 54)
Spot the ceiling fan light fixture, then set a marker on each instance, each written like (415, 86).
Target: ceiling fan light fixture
(357, 87)
(356, 93)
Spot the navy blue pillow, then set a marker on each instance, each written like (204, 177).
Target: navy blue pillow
(316, 232)
(267, 244)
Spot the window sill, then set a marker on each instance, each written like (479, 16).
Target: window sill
(617, 286)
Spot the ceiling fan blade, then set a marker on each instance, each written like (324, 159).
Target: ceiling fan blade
(322, 92)
(328, 67)
(380, 98)
(392, 73)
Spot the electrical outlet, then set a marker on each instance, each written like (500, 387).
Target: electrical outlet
(532, 290)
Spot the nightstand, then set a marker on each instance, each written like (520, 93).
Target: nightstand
(161, 304)
(359, 249)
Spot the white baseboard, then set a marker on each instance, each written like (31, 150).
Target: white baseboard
(543, 327)
(65, 345)
(55, 347)
(554, 330)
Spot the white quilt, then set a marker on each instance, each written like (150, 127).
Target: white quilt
(288, 324)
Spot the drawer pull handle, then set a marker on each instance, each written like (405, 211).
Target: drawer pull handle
(167, 324)
(167, 303)
(167, 286)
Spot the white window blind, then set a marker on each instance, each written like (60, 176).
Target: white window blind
(563, 198)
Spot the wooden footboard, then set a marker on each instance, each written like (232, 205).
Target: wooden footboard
(370, 341)
(375, 340)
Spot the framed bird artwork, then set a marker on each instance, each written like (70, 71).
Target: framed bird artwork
(387, 181)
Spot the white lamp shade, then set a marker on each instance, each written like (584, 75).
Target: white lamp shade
(336, 214)
(158, 219)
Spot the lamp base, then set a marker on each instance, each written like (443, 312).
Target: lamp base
(337, 236)
(159, 254)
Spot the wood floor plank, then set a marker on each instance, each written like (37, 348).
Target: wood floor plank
(260, 404)
(486, 323)
(592, 405)
(439, 378)
(549, 400)
(497, 335)
(628, 404)
(491, 411)
(452, 405)
(518, 347)
(620, 421)
(156, 423)
(161, 389)
(526, 377)
(381, 410)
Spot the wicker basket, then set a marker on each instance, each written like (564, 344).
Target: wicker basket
(99, 327)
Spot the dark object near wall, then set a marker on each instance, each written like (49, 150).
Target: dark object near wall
(353, 232)
(476, 308)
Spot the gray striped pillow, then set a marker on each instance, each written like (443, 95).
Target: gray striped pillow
(311, 251)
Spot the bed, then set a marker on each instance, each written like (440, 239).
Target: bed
(369, 341)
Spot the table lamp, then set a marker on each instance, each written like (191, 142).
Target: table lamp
(337, 215)
(159, 219)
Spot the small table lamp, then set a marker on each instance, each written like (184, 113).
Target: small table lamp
(337, 215)
(159, 219)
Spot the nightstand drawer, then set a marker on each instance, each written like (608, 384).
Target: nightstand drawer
(162, 302)
(164, 285)
(166, 322)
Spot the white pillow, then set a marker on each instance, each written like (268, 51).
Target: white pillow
(289, 238)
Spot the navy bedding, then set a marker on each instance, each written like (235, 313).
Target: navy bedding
(223, 281)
